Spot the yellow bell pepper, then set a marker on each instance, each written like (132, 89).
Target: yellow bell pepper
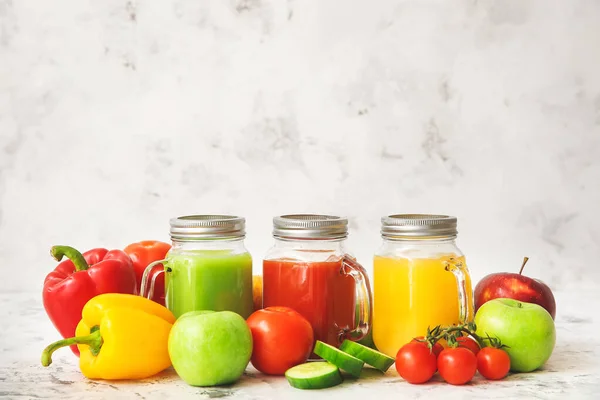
(120, 336)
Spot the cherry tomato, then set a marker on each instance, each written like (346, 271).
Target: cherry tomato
(468, 343)
(282, 338)
(457, 365)
(415, 362)
(437, 347)
(493, 363)
(443, 342)
(142, 254)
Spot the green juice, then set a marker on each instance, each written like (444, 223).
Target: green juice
(215, 280)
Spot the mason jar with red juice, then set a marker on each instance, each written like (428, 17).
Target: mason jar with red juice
(308, 270)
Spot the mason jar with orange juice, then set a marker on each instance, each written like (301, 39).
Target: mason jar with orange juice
(421, 279)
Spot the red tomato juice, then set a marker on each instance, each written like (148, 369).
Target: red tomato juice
(317, 290)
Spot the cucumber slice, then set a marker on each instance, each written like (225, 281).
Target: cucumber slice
(342, 360)
(314, 375)
(372, 357)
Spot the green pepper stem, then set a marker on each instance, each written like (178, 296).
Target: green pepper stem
(94, 340)
(75, 256)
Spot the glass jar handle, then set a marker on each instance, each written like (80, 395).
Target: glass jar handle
(364, 299)
(463, 299)
(150, 274)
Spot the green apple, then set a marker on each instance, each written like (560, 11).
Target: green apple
(526, 328)
(209, 348)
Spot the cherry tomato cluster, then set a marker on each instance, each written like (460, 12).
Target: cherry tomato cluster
(418, 361)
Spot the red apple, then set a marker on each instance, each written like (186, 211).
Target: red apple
(515, 286)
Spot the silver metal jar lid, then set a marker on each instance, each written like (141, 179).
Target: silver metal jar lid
(200, 227)
(310, 226)
(418, 226)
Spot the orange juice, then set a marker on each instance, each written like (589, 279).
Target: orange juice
(411, 294)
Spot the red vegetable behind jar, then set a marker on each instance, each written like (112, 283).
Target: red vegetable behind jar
(143, 254)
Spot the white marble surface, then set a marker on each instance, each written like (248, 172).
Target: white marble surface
(573, 370)
(117, 115)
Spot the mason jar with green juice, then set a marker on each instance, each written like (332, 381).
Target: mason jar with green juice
(207, 268)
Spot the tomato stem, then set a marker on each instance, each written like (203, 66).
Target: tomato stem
(449, 334)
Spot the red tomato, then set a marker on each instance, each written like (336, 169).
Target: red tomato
(415, 362)
(468, 343)
(282, 338)
(437, 347)
(493, 363)
(142, 254)
(457, 365)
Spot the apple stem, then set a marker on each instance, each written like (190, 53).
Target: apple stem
(523, 265)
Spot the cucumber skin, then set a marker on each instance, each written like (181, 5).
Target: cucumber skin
(323, 382)
(381, 362)
(353, 369)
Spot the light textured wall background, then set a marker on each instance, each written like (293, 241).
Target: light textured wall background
(116, 115)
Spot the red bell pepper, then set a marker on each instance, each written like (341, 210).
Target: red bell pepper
(143, 254)
(76, 280)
